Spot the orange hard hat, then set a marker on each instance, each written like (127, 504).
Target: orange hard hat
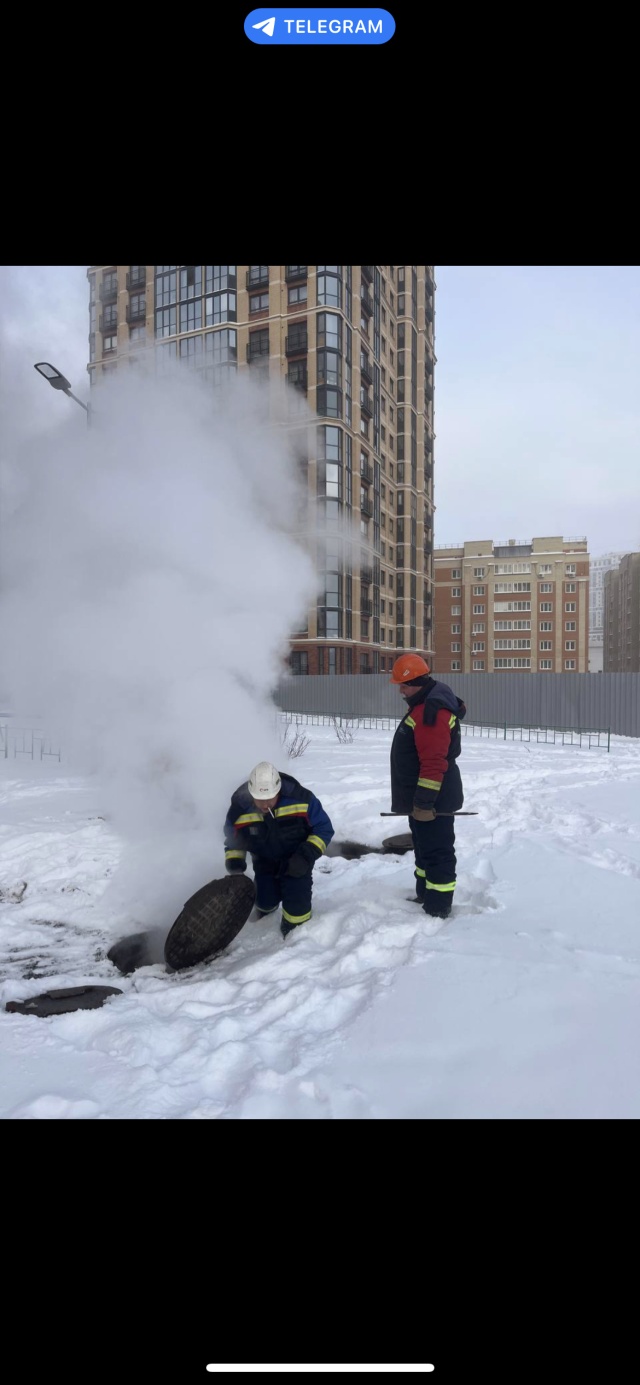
(408, 668)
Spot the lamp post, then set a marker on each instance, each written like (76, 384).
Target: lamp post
(60, 382)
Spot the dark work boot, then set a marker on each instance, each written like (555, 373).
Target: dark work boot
(286, 927)
(436, 904)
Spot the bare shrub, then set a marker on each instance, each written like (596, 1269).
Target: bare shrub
(344, 731)
(294, 742)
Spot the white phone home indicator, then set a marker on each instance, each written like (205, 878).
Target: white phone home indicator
(388, 1369)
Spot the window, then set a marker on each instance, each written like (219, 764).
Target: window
(478, 572)
(545, 663)
(299, 661)
(569, 644)
(297, 295)
(258, 274)
(455, 648)
(259, 303)
(546, 605)
(166, 322)
(166, 290)
(329, 285)
(455, 665)
(544, 568)
(477, 628)
(456, 591)
(329, 402)
(569, 606)
(191, 315)
(478, 591)
(569, 625)
(191, 350)
(258, 343)
(546, 586)
(546, 644)
(569, 663)
(137, 305)
(138, 334)
(329, 331)
(221, 354)
(220, 307)
(329, 367)
(479, 610)
(455, 573)
(109, 344)
(570, 569)
(456, 629)
(296, 271)
(478, 665)
(218, 277)
(569, 586)
(478, 647)
(456, 610)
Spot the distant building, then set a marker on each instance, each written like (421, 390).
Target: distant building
(358, 342)
(597, 569)
(622, 616)
(521, 606)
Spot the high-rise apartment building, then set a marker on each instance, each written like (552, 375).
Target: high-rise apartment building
(622, 616)
(597, 569)
(521, 606)
(358, 342)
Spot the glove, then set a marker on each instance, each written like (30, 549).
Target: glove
(235, 865)
(298, 866)
(423, 814)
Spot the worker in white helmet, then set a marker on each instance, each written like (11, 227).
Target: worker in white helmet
(286, 830)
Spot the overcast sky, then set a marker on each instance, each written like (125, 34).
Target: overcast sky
(537, 399)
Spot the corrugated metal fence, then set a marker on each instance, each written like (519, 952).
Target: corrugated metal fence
(582, 701)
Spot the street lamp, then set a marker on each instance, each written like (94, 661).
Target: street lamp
(60, 382)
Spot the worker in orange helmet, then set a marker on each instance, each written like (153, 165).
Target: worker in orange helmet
(425, 779)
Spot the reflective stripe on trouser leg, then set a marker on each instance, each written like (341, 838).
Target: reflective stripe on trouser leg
(420, 882)
(296, 898)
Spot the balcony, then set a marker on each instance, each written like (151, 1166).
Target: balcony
(257, 353)
(367, 302)
(367, 272)
(109, 291)
(366, 473)
(366, 506)
(366, 607)
(295, 271)
(297, 380)
(366, 576)
(296, 344)
(137, 280)
(366, 369)
(258, 278)
(138, 314)
(108, 323)
(366, 404)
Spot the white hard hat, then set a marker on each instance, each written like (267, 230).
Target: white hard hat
(264, 781)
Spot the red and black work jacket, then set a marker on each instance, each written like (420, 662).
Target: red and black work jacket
(424, 751)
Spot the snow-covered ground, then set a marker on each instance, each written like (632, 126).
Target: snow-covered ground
(525, 1003)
